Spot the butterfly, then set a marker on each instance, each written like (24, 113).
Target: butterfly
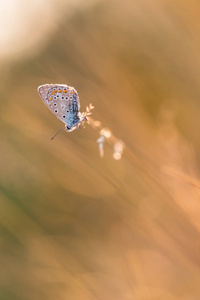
(64, 102)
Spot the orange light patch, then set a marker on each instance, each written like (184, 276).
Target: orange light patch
(71, 92)
(55, 91)
(50, 98)
(59, 91)
(65, 91)
(51, 93)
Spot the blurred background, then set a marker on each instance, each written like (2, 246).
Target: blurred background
(77, 226)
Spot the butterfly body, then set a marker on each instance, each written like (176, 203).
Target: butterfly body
(63, 101)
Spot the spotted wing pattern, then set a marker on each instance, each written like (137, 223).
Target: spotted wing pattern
(63, 101)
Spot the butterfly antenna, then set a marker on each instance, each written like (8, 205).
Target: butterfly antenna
(57, 133)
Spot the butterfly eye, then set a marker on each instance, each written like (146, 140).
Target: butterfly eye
(55, 104)
(64, 117)
(55, 111)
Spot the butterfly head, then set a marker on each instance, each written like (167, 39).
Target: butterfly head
(69, 128)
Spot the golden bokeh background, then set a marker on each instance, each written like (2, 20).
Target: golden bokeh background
(77, 226)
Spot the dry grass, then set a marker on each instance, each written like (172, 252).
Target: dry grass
(74, 225)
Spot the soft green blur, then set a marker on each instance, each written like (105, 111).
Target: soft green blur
(77, 226)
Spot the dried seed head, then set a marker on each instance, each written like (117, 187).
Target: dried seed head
(119, 147)
(106, 132)
(117, 155)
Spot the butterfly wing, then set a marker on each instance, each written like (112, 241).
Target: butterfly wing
(63, 101)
